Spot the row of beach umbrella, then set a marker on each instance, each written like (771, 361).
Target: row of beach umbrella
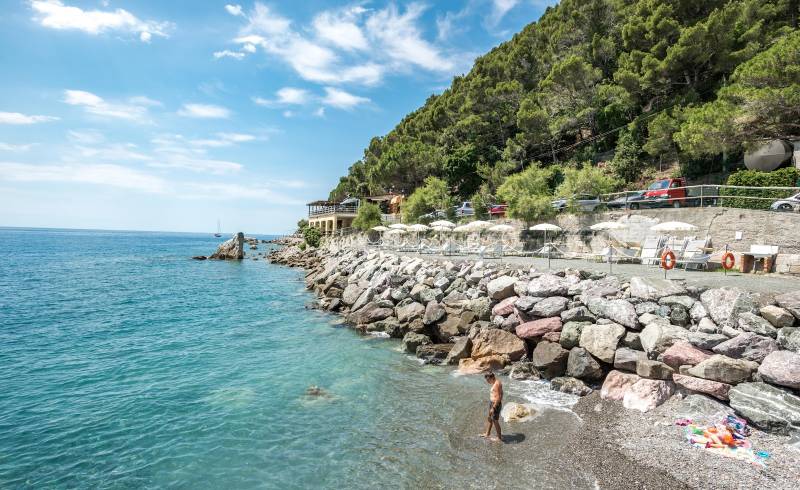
(473, 226)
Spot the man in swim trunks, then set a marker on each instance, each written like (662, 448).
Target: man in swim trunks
(495, 404)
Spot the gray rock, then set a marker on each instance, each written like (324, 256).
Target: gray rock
(686, 302)
(581, 365)
(607, 286)
(550, 359)
(231, 249)
(413, 340)
(351, 293)
(766, 407)
(552, 306)
(370, 313)
(430, 294)
(706, 341)
(570, 385)
(698, 312)
(433, 313)
(777, 316)
(730, 331)
(646, 307)
(523, 370)
(679, 316)
(626, 359)
(653, 289)
(653, 369)
(501, 288)
(526, 303)
(750, 322)
(656, 338)
(363, 299)
(707, 325)
(602, 340)
(701, 407)
(617, 310)
(409, 312)
(789, 338)
(781, 368)
(460, 350)
(790, 301)
(726, 304)
(433, 353)
(480, 306)
(571, 334)
(548, 285)
(724, 369)
(577, 314)
(747, 346)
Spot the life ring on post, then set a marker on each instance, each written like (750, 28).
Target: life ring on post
(668, 260)
(728, 261)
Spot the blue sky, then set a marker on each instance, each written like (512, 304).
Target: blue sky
(153, 115)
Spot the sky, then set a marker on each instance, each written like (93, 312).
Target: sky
(170, 116)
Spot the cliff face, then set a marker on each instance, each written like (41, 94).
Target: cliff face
(232, 249)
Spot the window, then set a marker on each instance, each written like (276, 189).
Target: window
(661, 184)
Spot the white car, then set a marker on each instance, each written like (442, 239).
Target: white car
(791, 203)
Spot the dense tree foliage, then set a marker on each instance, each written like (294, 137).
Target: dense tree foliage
(657, 80)
(311, 236)
(529, 192)
(369, 215)
(434, 195)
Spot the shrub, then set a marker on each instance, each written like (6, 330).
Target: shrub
(302, 246)
(528, 194)
(433, 196)
(586, 180)
(480, 203)
(369, 215)
(301, 226)
(312, 236)
(785, 177)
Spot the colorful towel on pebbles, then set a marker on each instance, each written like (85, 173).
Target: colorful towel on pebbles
(728, 438)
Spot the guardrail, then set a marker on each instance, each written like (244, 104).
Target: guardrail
(336, 208)
(704, 195)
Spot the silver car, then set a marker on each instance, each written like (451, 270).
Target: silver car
(791, 203)
(585, 202)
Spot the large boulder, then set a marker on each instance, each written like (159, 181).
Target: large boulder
(650, 369)
(548, 285)
(569, 385)
(601, 340)
(789, 338)
(231, 249)
(777, 316)
(781, 368)
(571, 334)
(523, 370)
(505, 307)
(433, 353)
(496, 342)
(409, 312)
(767, 407)
(616, 384)
(658, 337)
(482, 365)
(501, 287)
(550, 359)
(617, 310)
(626, 359)
(726, 304)
(647, 394)
(433, 313)
(581, 365)
(748, 346)
(790, 301)
(551, 306)
(750, 322)
(706, 341)
(724, 369)
(371, 313)
(480, 306)
(653, 289)
(413, 340)
(351, 293)
(577, 314)
(444, 331)
(462, 347)
(537, 328)
(517, 412)
(683, 353)
(687, 302)
(699, 385)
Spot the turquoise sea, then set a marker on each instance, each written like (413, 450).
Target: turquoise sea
(124, 364)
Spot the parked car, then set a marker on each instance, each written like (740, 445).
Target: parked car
(433, 215)
(585, 202)
(464, 209)
(628, 201)
(665, 193)
(498, 210)
(791, 203)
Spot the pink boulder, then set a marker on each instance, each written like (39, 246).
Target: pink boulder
(537, 328)
(616, 384)
(646, 394)
(505, 307)
(682, 353)
(706, 386)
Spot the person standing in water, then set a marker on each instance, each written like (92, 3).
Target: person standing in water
(495, 404)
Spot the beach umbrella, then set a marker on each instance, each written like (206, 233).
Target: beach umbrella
(443, 222)
(545, 227)
(418, 228)
(398, 226)
(396, 231)
(608, 225)
(479, 225)
(441, 229)
(462, 229)
(501, 229)
(673, 226)
(380, 228)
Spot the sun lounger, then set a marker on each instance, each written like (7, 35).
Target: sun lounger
(651, 250)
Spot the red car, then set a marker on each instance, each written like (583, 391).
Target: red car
(498, 210)
(666, 193)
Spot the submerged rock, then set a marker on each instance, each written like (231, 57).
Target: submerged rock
(569, 385)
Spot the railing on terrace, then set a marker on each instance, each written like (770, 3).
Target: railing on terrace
(749, 197)
(390, 218)
(332, 209)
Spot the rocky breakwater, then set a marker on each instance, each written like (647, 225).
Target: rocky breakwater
(640, 342)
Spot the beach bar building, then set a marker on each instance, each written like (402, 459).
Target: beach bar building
(329, 216)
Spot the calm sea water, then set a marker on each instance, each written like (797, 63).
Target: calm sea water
(123, 364)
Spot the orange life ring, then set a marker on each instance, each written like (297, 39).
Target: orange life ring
(728, 261)
(668, 260)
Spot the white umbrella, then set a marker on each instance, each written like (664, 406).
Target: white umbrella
(440, 228)
(545, 227)
(418, 228)
(479, 225)
(380, 228)
(462, 229)
(501, 229)
(443, 222)
(673, 226)
(608, 225)
(398, 226)
(396, 231)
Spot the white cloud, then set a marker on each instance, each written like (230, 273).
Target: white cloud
(55, 15)
(134, 109)
(19, 118)
(86, 137)
(340, 29)
(223, 139)
(320, 112)
(114, 152)
(227, 53)
(500, 8)
(216, 167)
(99, 174)
(340, 99)
(12, 147)
(285, 96)
(288, 114)
(204, 111)
(227, 191)
(235, 10)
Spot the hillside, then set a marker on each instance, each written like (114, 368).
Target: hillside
(650, 81)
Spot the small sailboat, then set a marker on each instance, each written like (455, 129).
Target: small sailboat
(219, 230)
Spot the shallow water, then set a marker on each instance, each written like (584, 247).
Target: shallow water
(125, 364)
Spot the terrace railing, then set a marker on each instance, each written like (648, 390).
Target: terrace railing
(333, 209)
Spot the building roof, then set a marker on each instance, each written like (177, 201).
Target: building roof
(322, 203)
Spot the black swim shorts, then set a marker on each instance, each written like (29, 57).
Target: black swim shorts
(494, 410)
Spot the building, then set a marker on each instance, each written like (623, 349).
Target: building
(330, 216)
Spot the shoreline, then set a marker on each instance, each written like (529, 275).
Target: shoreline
(620, 466)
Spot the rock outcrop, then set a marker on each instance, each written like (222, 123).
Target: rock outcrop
(231, 249)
